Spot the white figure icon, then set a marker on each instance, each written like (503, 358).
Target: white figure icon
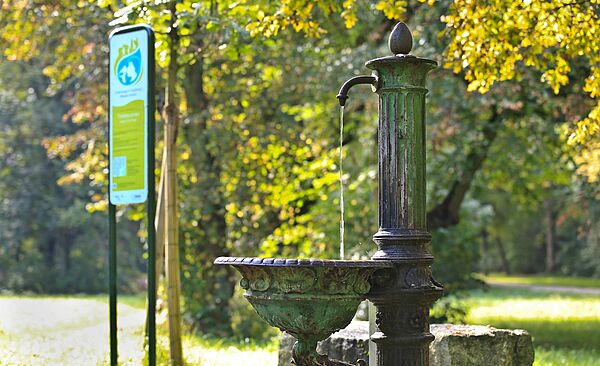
(128, 72)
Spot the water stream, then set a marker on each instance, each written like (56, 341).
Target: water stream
(341, 183)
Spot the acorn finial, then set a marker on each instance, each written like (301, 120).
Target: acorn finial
(401, 41)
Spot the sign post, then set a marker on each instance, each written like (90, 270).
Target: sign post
(131, 129)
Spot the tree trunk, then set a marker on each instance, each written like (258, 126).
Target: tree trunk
(485, 251)
(447, 213)
(216, 284)
(67, 255)
(503, 258)
(170, 194)
(550, 234)
(18, 252)
(48, 251)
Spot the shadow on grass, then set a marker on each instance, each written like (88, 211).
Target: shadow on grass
(572, 334)
(495, 294)
(219, 352)
(555, 320)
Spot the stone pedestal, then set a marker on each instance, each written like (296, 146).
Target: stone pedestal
(454, 345)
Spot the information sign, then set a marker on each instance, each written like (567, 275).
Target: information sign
(128, 116)
(131, 158)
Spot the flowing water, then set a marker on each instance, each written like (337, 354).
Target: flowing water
(341, 183)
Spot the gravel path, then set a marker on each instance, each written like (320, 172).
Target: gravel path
(73, 331)
(549, 288)
(65, 332)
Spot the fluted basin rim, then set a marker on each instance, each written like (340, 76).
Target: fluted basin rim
(299, 262)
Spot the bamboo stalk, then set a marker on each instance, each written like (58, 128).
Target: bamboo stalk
(170, 201)
(172, 254)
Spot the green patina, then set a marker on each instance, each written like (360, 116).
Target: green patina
(309, 299)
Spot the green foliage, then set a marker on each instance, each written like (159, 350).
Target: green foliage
(49, 243)
(550, 37)
(457, 250)
(449, 309)
(520, 230)
(245, 322)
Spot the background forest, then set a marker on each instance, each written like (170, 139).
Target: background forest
(512, 139)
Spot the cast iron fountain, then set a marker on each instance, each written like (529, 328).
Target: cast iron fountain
(311, 298)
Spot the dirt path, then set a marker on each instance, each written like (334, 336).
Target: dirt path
(549, 288)
(48, 331)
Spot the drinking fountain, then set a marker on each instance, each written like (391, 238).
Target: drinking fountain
(312, 298)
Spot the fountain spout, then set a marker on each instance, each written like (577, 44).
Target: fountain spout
(363, 79)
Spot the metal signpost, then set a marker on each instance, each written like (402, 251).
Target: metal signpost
(131, 155)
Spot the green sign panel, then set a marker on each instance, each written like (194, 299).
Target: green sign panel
(128, 121)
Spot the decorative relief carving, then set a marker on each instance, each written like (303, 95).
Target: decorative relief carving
(382, 278)
(305, 275)
(333, 281)
(417, 319)
(296, 280)
(409, 320)
(362, 286)
(418, 277)
(261, 280)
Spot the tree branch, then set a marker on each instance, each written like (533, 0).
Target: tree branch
(447, 213)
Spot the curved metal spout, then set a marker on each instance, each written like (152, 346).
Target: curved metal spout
(363, 79)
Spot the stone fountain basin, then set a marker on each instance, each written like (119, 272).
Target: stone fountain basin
(308, 298)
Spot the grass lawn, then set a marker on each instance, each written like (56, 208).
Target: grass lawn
(544, 280)
(212, 352)
(565, 327)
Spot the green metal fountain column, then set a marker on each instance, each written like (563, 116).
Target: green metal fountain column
(404, 294)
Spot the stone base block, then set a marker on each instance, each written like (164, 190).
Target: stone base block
(454, 345)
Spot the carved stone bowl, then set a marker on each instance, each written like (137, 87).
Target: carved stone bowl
(308, 298)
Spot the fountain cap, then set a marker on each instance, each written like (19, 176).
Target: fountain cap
(401, 40)
(400, 44)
